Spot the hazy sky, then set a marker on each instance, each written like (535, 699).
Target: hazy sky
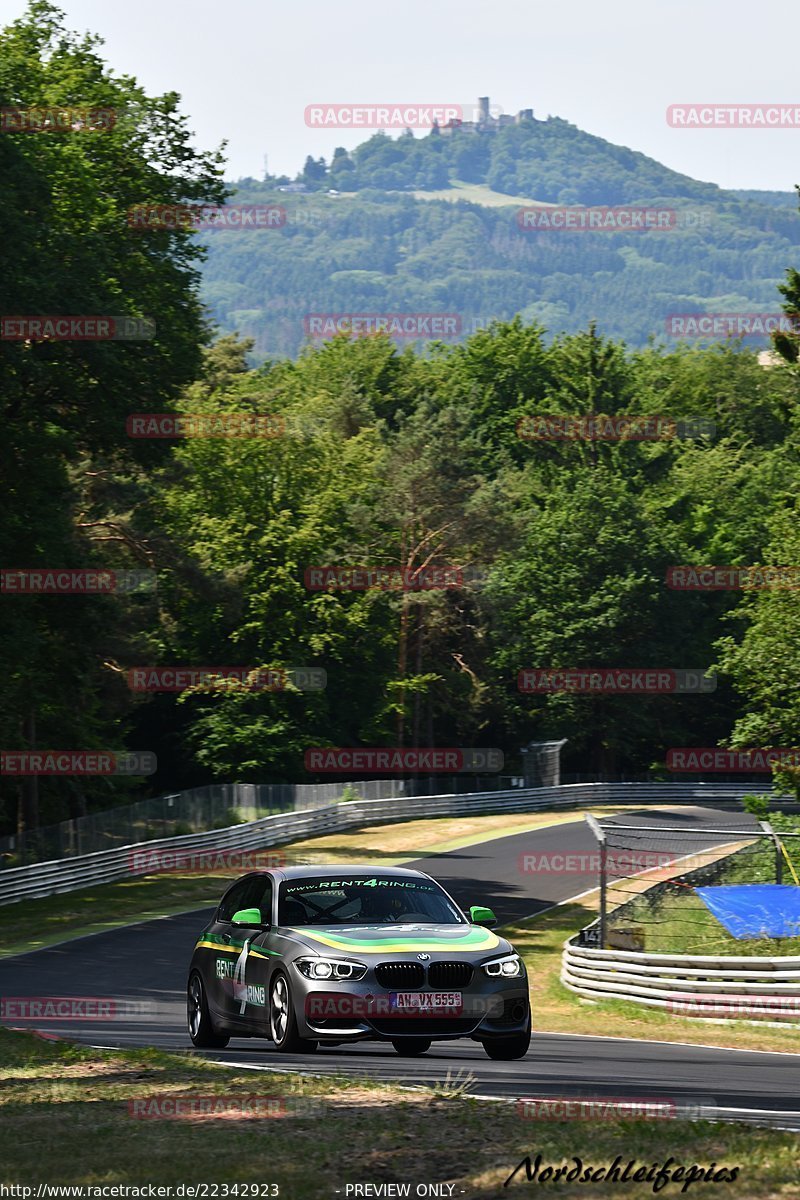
(247, 69)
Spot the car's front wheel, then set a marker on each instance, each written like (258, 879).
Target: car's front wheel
(282, 1019)
(410, 1047)
(201, 1029)
(505, 1048)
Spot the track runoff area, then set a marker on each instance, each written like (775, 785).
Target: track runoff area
(128, 987)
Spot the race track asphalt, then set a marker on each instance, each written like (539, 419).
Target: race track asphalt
(145, 965)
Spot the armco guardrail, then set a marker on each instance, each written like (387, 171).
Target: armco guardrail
(212, 806)
(106, 866)
(689, 985)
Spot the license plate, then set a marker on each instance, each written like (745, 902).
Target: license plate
(426, 1002)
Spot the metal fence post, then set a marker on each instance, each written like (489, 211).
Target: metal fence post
(598, 832)
(770, 832)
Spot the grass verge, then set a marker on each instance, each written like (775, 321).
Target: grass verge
(67, 1119)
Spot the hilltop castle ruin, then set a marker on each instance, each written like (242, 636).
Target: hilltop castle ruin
(485, 123)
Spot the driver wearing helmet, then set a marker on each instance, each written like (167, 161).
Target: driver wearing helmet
(379, 906)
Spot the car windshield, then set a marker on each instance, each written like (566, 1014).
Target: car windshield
(365, 900)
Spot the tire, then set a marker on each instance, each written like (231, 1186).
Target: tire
(201, 1029)
(411, 1047)
(283, 1021)
(506, 1048)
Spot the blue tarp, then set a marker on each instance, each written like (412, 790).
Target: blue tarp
(755, 909)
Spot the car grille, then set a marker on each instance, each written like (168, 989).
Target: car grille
(446, 975)
(400, 974)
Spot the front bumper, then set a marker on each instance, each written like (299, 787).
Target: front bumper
(347, 1011)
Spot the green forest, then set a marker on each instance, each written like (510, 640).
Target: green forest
(378, 454)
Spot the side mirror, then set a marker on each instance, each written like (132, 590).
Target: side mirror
(479, 915)
(248, 916)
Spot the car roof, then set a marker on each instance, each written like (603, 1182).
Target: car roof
(356, 871)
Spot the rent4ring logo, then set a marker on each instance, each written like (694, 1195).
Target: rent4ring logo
(425, 759)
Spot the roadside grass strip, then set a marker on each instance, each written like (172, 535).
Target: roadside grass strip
(74, 1115)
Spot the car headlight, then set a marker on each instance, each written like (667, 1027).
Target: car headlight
(330, 968)
(508, 966)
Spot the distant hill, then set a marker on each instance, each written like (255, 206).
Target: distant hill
(776, 199)
(430, 225)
